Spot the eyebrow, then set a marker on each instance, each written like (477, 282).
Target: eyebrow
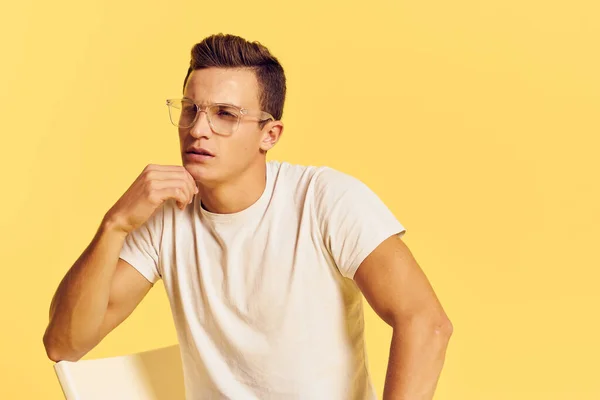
(218, 102)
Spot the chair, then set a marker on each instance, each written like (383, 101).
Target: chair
(150, 375)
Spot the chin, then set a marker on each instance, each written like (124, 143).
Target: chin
(201, 173)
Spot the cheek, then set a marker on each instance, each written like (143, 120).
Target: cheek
(241, 151)
(247, 144)
(182, 136)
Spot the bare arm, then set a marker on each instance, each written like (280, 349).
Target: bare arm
(100, 290)
(97, 294)
(399, 292)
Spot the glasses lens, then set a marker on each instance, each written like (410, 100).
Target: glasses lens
(182, 113)
(224, 118)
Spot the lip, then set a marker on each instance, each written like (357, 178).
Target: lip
(198, 157)
(193, 150)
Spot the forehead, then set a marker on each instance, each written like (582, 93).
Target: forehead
(220, 85)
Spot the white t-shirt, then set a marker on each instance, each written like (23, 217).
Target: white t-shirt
(263, 300)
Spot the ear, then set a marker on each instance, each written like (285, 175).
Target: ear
(271, 134)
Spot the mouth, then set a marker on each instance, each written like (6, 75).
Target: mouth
(199, 155)
(200, 152)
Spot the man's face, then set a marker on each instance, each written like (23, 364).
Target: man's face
(233, 153)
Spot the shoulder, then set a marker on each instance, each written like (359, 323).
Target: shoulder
(321, 176)
(332, 183)
(330, 176)
(294, 175)
(319, 184)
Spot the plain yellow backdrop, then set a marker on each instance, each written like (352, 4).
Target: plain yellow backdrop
(477, 122)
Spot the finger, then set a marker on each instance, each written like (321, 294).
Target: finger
(173, 192)
(191, 184)
(192, 180)
(160, 167)
(166, 175)
(165, 187)
(189, 189)
(181, 175)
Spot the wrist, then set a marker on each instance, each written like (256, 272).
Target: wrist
(111, 225)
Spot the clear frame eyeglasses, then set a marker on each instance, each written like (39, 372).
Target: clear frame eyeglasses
(223, 118)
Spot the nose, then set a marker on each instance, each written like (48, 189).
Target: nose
(201, 127)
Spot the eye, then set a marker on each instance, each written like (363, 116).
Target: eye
(223, 113)
(226, 113)
(189, 108)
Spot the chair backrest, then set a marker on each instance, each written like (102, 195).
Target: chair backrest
(150, 375)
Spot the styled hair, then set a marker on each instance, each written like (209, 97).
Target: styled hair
(230, 51)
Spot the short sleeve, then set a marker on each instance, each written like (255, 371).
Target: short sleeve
(353, 220)
(142, 246)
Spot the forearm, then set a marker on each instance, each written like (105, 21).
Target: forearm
(81, 300)
(417, 354)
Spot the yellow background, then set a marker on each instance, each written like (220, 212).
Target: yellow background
(475, 121)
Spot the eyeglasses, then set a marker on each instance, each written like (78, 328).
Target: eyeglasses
(223, 118)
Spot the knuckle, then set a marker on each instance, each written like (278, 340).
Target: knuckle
(154, 197)
(147, 174)
(151, 185)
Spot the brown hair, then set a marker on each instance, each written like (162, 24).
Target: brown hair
(230, 51)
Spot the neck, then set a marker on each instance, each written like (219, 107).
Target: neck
(235, 196)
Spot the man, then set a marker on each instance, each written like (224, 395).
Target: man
(263, 262)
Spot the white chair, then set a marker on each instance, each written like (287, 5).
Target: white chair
(150, 375)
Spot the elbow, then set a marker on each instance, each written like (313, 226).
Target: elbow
(444, 328)
(57, 351)
(52, 350)
(435, 327)
(54, 354)
(441, 326)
